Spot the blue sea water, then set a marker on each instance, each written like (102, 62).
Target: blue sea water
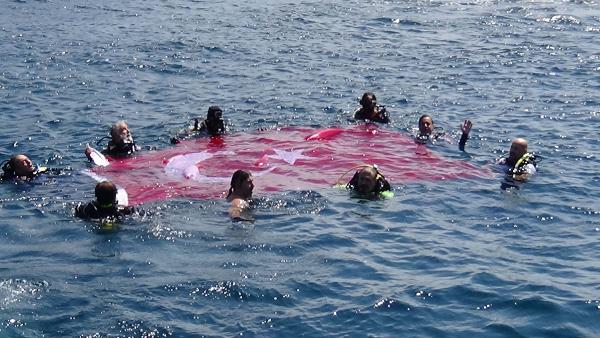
(441, 259)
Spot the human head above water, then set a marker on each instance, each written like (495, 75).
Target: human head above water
(241, 184)
(120, 134)
(368, 181)
(18, 166)
(214, 113)
(518, 148)
(214, 121)
(368, 100)
(426, 125)
(106, 193)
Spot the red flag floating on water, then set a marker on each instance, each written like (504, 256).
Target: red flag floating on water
(282, 159)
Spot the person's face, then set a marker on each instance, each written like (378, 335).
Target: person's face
(23, 166)
(366, 182)
(426, 126)
(369, 102)
(217, 115)
(517, 150)
(245, 188)
(122, 134)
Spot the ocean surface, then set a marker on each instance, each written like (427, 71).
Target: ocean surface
(453, 258)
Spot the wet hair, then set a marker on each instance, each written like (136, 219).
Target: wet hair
(381, 183)
(8, 168)
(239, 176)
(365, 96)
(212, 111)
(214, 125)
(106, 192)
(115, 127)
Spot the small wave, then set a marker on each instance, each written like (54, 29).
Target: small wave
(562, 20)
(294, 203)
(214, 49)
(303, 20)
(404, 22)
(538, 305)
(504, 330)
(379, 318)
(15, 290)
(166, 233)
(357, 269)
(240, 292)
(391, 304)
(134, 328)
(285, 250)
(515, 9)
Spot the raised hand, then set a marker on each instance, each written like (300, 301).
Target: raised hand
(466, 127)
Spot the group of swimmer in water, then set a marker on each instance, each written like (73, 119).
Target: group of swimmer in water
(367, 181)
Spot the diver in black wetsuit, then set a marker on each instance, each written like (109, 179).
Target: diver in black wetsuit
(121, 142)
(427, 132)
(105, 205)
(213, 125)
(20, 167)
(370, 110)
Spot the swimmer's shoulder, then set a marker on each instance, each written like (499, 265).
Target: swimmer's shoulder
(239, 203)
(239, 209)
(86, 210)
(359, 114)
